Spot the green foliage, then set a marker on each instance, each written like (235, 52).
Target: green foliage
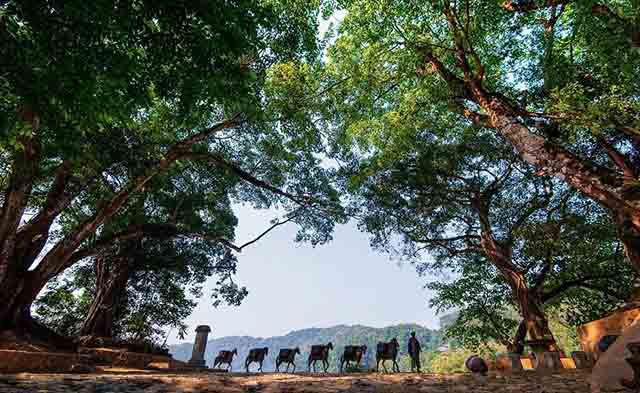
(116, 92)
(569, 71)
(450, 362)
(471, 330)
(63, 308)
(110, 59)
(431, 204)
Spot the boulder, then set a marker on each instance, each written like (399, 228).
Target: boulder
(592, 333)
(606, 341)
(611, 368)
(477, 365)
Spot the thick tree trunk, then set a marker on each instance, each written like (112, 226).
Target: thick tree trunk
(19, 319)
(534, 321)
(111, 285)
(628, 227)
(10, 304)
(534, 326)
(601, 184)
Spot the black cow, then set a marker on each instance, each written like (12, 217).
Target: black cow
(352, 353)
(288, 356)
(225, 357)
(319, 352)
(388, 351)
(256, 355)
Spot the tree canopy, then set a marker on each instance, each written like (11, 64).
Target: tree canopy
(112, 111)
(455, 205)
(528, 71)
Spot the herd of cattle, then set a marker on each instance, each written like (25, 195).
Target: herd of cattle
(319, 353)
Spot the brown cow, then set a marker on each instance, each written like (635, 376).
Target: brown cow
(388, 351)
(225, 357)
(287, 356)
(319, 352)
(256, 355)
(352, 353)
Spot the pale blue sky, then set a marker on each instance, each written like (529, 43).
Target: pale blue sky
(294, 285)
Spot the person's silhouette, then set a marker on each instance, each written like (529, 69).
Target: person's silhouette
(414, 352)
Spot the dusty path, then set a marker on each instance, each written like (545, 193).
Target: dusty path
(573, 381)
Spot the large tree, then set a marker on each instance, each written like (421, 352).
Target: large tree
(486, 311)
(106, 98)
(466, 200)
(557, 80)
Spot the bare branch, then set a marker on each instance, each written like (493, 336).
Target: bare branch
(578, 282)
(254, 240)
(221, 162)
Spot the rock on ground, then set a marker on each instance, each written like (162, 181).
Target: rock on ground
(134, 382)
(611, 368)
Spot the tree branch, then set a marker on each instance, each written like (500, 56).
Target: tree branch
(221, 162)
(132, 232)
(23, 172)
(254, 240)
(618, 158)
(57, 259)
(565, 286)
(531, 5)
(598, 9)
(33, 236)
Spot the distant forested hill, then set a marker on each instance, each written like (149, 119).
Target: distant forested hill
(339, 335)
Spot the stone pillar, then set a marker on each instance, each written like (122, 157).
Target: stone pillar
(582, 359)
(200, 344)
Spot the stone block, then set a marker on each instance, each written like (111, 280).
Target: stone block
(527, 363)
(549, 361)
(590, 334)
(122, 358)
(567, 363)
(509, 362)
(582, 359)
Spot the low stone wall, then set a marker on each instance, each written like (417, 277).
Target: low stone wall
(168, 363)
(23, 361)
(515, 363)
(122, 358)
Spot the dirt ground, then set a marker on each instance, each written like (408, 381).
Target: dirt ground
(130, 381)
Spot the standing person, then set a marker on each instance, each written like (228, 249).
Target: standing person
(414, 352)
